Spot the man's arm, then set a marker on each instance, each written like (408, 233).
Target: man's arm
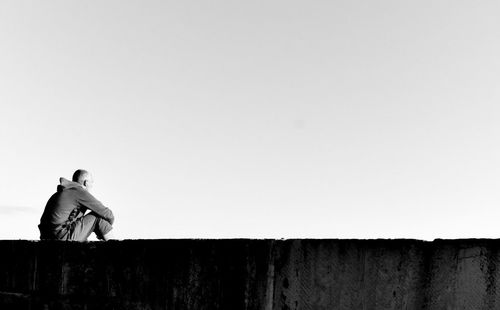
(87, 200)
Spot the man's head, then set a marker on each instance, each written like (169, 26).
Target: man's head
(84, 178)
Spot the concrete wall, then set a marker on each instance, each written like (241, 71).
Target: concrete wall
(250, 274)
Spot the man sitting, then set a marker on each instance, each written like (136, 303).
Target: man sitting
(64, 216)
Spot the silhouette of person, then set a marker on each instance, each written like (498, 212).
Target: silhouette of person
(64, 216)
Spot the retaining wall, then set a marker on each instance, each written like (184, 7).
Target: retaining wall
(250, 274)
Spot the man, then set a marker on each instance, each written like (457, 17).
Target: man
(64, 216)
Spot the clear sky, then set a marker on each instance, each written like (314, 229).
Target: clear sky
(255, 119)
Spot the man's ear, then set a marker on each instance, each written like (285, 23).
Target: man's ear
(85, 183)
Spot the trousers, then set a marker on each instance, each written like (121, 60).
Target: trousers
(83, 227)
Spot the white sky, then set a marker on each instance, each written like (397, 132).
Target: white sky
(257, 119)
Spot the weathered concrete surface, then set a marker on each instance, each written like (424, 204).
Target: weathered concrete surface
(250, 274)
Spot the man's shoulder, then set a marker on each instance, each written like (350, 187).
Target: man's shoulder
(73, 191)
(81, 193)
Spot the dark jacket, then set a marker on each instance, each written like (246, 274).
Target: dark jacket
(68, 204)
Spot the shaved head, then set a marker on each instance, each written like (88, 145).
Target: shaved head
(83, 177)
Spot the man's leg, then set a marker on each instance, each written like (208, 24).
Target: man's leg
(91, 223)
(109, 236)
